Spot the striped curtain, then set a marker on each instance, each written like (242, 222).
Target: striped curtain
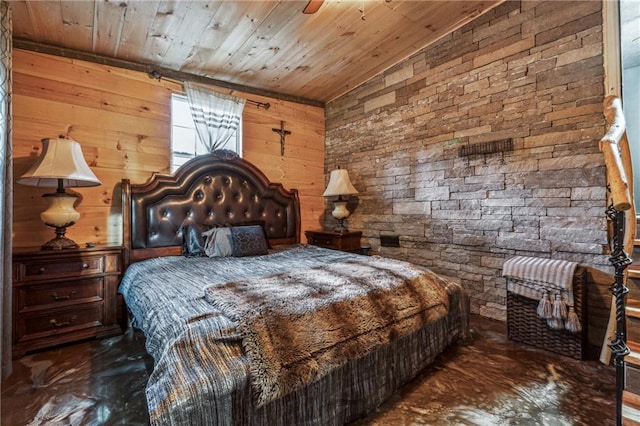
(6, 189)
(217, 116)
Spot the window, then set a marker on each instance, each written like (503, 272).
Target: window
(185, 143)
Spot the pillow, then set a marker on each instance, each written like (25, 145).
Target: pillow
(192, 241)
(262, 224)
(218, 242)
(248, 241)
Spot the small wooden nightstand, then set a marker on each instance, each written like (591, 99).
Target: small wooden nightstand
(61, 296)
(345, 241)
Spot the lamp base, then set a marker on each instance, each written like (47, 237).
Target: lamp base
(60, 242)
(340, 212)
(340, 229)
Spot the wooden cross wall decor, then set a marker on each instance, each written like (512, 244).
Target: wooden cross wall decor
(283, 133)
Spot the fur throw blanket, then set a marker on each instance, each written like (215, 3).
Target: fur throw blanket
(297, 326)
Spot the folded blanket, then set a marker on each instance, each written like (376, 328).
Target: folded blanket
(551, 282)
(298, 326)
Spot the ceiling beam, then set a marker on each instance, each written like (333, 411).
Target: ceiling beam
(164, 72)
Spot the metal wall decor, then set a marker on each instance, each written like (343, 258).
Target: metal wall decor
(486, 148)
(283, 133)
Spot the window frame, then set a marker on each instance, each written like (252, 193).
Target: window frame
(184, 156)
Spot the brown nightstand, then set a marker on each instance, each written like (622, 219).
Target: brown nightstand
(345, 241)
(61, 296)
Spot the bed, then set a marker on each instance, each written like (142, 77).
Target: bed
(294, 335)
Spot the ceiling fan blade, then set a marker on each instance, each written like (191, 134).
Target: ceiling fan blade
(312, 6)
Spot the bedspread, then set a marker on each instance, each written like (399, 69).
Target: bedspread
(297, 326)
(201, 373)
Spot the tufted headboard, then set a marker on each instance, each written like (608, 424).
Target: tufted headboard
(211, 190)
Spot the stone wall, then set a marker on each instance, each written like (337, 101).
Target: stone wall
(530, 71)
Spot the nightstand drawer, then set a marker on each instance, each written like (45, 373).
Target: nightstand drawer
(69, 267)
(43, 296)
(322, 241)
(34, 326)
(345, 241)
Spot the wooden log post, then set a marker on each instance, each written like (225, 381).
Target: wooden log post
(621, 211)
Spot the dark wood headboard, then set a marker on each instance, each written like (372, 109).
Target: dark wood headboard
(210, 190)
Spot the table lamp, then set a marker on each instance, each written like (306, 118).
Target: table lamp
(60, 165)
(340, 185)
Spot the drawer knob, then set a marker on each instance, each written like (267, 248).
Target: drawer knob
(85, 266)
(54, 322)
(68, 296)
(42, 270)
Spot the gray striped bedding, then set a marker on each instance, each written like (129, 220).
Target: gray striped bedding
(201, 375)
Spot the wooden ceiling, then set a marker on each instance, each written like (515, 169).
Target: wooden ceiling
(268, 47)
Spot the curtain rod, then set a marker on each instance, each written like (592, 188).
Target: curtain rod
(158, 76)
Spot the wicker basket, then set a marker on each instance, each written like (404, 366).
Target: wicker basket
(525, 326)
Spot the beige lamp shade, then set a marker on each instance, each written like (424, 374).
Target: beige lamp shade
(60, 159)
(339, 184)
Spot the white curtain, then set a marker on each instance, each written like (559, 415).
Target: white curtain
(6, 186)
(217, 116)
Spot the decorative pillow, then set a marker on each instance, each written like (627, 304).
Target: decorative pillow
(262, 224)
(248, 241)
(218, 242)
(192, 241)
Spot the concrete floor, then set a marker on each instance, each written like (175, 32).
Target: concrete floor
(490, 381)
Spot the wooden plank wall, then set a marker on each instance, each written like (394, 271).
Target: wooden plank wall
(122, 120)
